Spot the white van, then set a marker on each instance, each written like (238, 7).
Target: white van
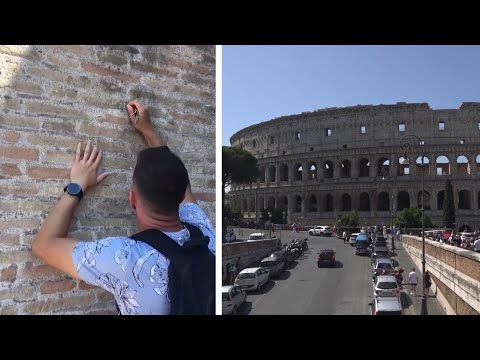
(352, 240)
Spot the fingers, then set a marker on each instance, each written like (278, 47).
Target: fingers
(93, 156)
(102, 177)
(78, 153)
(86, 154)
(96, 163)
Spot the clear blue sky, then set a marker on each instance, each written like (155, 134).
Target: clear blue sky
(263, 82)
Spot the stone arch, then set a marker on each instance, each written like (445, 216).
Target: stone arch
(464, 202)
(298, 172)
(328, 169)
(440, 199)
(402, 169)
(383, 201)
(403, 200)
(426, 199)
(443, 165)
(272, 173)
(346, 202)
(364, 168)
(346, 169)
(251, 205)
(297, 205)
(271, 203)
(260, 203)
(312, 203)
(426, 165)
(244, 205)
(477, 162)
(261, 175)
(284, 172)
(383, 167)
(312, 171)
(463, 165)
(282, 202)
(364, 202)
(328, 203)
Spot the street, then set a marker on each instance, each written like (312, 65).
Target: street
(305, 289)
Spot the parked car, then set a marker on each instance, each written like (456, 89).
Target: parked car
(275, 264)
(326, 257)
(256, 236)
(467, 236)
(352, 240)
(387, 305)
(252, 278)
(232, 298)
(382, 265)
(361, 248)
(320, 231)
(230, 236)
(387, 284)
(285, 255)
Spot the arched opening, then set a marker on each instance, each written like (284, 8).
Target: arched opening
(364, 170)
(299, 172)
(426, 199)
(403, 201)
(261, 175)
(383, 201)
(346, 202)
(271, 203)
(463, 228)
(403, 169)
(272, 174)
(312, 204)
(244, 205)
(328, 203)
(364, 202)
(425, 167)
(312, 171)
(345, 169)
(284, 172)
(383, 167)
(283, 203)
(443, 165)
(464, 200)
(251, 205)
(328, 169)
(440, 199)
(260, 203)
(477, 161)
(298, 204)
(463, 166)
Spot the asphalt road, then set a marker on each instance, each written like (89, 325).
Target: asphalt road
(305, 289)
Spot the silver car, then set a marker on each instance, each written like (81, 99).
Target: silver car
(387, 305)
(232, 298)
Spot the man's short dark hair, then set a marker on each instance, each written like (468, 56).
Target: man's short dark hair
(161, 179)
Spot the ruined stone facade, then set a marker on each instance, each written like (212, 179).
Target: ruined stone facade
(318, 165)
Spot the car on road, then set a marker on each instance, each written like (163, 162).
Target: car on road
(285, 255)
(467, 236)
(232, 298)
(361, 248)
(352, 240)
(387, 305)
(387, 284)
(320, 231)
(326, 257)
(256, 236)
(382, 266)
(275, 264)
(252, 278)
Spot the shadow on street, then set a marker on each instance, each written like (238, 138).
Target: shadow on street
(245, 308)
(405, 300)
(284, 275)
(266, 288)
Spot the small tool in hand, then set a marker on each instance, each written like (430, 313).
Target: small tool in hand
(135, 114)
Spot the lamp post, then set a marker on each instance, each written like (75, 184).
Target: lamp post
(405, 145)
(391, 225)
(270, 220)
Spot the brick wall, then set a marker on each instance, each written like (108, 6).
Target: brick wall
(53, 96)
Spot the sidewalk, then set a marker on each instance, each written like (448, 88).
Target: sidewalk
(413, 305)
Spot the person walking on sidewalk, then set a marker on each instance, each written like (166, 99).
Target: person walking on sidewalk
(413, 278)
(428, 283)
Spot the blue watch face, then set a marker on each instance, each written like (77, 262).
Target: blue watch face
(73, 189)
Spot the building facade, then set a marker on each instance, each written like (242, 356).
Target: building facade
(318, 165)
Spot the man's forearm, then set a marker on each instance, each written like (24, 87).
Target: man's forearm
(153, 139)
(58, 221)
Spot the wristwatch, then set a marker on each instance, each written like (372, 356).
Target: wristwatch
(74, 189)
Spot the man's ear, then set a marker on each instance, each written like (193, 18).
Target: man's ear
(132, 198)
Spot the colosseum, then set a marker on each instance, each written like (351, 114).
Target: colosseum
(318, 165)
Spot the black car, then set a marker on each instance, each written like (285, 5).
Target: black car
(361, 248)
(285, 255)
(326, 257)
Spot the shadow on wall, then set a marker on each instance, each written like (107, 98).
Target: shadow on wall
(53, 96)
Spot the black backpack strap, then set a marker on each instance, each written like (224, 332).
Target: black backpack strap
(159, 241)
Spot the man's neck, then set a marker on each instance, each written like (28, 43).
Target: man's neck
(165, 223)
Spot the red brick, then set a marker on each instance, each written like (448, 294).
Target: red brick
(208, 197)
(94, 69)
(9, 274)
(32, 271)
(152, 69)
(182, 64)
(19, 190)
(57, 286)
(193, 118)
(48, 173)
(113, 119)
(10, 170)
(11, 136)
(18, 153)
(211, 184)
(38, 307)
(82, 285)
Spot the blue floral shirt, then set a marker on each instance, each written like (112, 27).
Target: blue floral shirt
(135, 273)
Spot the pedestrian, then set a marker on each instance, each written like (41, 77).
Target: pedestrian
(428, 283)
(344, 236)
(175, 233)
(413, 278)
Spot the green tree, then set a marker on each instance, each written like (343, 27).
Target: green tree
(264, 215)
(350, 220)
(448, 206)
(412, 218)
